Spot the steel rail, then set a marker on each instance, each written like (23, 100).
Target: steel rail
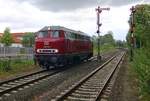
(23, 77)
(83, 80)
(109, 78)
(27, 83)
(20, 77)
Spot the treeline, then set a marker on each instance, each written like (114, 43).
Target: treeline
(106, 39)
(7, 38)
(141, 57)
(28, 39)
(107, 42)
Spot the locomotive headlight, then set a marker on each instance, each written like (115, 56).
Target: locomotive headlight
(56, 50)
(38, 51)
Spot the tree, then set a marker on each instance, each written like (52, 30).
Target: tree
(28, 39)
(142, 26)
(108, 38)
(120, 43)
(142, 56)
(7, 37)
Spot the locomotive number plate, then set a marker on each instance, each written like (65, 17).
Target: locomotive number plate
(46, 43)
(46, 46)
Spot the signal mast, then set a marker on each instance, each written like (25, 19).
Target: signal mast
(132, 27)
(99, 10)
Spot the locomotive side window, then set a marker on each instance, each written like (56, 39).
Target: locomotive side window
(73, 36)
(67, 35)
(42, 34)
(78, 37)
(55, 34)
(87, 38)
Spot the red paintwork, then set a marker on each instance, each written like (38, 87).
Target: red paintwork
(64, 45)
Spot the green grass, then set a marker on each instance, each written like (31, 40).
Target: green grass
(104, 48)
(141, 64)
(8, 68)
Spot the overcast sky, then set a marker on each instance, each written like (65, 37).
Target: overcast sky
(32, 15)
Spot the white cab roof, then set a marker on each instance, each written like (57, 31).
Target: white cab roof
(62, 28)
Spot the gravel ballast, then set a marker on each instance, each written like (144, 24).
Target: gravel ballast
(52, 86)
(125, 88)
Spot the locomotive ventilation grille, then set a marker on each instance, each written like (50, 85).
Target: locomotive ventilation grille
(47, 50)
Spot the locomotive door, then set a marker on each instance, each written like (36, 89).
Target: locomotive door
(68, 42)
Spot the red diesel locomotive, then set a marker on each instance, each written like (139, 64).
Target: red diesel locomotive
(58, 46)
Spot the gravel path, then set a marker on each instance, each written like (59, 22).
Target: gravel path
(52, 86)
(125, 88)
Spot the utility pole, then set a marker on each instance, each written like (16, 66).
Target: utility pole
(99, 10)
(132, 27)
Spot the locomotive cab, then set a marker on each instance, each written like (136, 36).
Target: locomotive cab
(49, 48)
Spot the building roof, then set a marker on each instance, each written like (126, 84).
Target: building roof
(17, 40)
(17, 37)
(20, 34)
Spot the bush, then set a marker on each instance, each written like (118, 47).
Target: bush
(17, 61)
(5, 65)
(141, 63)
(103, 48)
(15, 65)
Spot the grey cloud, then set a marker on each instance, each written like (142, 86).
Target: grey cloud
(61, 5)
(15, 22)
(119, 2)
(14, 19)
(69, 5)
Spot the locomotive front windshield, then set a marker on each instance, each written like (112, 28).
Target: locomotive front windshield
(55, 34)
(42, 34)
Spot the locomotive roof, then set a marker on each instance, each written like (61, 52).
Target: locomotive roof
(62, 28)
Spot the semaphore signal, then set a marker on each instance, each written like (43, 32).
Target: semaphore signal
(99, 11)
(132, 30)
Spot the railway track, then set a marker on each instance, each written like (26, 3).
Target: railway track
(93, 86)
(12, 85)
(7, 87)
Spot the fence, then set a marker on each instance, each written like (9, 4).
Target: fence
(6, 52)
